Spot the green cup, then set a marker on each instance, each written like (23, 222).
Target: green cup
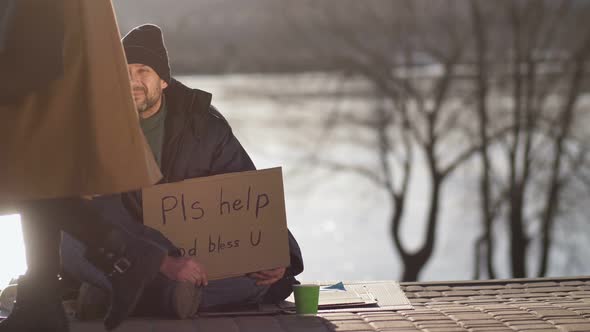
(306, 299)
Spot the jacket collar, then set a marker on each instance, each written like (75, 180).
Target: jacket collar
(187, 111)
(181, 98)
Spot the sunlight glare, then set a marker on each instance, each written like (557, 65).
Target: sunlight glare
(12, 250)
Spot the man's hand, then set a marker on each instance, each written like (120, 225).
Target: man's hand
(268, 277)
(184, 269)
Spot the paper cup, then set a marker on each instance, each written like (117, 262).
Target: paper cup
(306, 299)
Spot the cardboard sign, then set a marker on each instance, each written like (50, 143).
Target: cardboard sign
(232, 223)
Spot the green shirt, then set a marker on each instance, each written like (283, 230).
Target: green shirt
(153, 129)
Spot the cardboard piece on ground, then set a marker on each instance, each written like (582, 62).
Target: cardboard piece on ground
(358, 297)
(232, 223)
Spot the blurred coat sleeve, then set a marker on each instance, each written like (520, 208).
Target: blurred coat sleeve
(69, 125)
(6, 16)
(29, 28)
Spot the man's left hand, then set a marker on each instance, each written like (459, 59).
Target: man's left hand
(268, 277)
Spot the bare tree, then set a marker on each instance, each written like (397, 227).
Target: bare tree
(440, 72)
(534, 60)
(416, 114)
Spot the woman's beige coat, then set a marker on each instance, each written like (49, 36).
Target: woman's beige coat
(80, 134)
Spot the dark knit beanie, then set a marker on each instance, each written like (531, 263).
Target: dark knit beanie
(145, 45)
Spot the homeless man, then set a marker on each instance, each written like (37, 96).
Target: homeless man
(189, 138)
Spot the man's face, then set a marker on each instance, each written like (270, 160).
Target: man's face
(147, 89)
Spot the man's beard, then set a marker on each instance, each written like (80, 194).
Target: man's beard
(150, 101)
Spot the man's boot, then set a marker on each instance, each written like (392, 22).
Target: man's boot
(130, 263)
(186, 298)
(169, 298)
(38, 307)
(178, 300)
(92, 302)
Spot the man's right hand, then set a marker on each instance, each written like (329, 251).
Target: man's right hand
(184, 269)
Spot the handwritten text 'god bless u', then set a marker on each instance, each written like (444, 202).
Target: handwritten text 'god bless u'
(217, 245)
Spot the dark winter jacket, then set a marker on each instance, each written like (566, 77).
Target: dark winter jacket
(198, 141)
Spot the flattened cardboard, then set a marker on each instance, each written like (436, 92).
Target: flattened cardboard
(232, 223)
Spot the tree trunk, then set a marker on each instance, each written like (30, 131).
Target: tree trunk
(414, 262)
(485, 242)
(518, 240)
(552, 203)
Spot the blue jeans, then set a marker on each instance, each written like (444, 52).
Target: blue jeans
(230, 291)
